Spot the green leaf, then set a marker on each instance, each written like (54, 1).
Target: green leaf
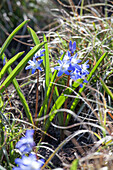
(10, 37)
(18, 68)
(46, 63)
(9, 63)
(96, 65)
(108, 91)
(74, 164)
(33, 35)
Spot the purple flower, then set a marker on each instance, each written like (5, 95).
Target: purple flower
(63, 68)
(34, 65)
(29, 163)
(72, 47)
(25, 144)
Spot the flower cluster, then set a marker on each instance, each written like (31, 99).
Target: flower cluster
(25, 146)
(70, 65)
(34, 64)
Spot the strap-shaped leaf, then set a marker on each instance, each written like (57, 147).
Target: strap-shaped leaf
(9, 63)
(10, 37)
(18, 68)
(46, 63)
(33, 35)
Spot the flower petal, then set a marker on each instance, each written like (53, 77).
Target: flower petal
(28, 67)
(70, 45)
(29, 132)
(60, 73)
(33, 70)
(40, 61)
(39, 68)
(57, 67)
(74, 47)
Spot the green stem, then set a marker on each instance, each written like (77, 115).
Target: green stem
(36, 105)
(65, 105)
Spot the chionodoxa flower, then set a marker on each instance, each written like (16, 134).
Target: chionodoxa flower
(71, 65)
(28, 161)
(25, 144)
(35, 64)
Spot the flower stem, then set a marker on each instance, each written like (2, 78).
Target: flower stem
(36, 105)
(58, 78)
(65, 105)
(62, 135)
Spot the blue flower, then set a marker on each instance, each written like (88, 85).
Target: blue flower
(84, 68)
(25, 144)
(75, 75)
(84, 80)
(63, 68)
(70, 65)
(72, 47)
(39, 53)
(67, 57)
(80, 73)
(34, 65)
(29, 163)
(74, 63)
